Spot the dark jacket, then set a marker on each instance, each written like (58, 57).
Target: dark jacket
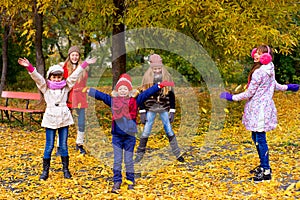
(159, 102)
(125, 125)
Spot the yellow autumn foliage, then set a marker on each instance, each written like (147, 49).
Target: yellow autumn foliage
(217, 161)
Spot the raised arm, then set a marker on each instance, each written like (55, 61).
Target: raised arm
(37, 77)
(71, 80)
(252, 88)
(25, 63)
(288, 87)
(141, 98)
(92, 92)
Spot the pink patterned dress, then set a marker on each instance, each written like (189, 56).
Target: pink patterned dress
(260, 113)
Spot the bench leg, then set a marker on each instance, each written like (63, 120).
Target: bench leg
(12, 116)
(35, 120)
(30, 117)
(7, 115)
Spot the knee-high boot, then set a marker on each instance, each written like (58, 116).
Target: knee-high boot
(141, 150)
(65, 163)
(46, 167)
(175, 148)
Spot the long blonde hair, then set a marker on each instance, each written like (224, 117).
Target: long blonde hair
(68, 64)
(148, 78)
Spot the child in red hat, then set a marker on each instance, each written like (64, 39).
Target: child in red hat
(124, 105)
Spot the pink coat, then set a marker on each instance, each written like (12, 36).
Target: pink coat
(260, 113)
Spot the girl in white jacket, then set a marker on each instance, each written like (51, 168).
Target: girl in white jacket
(57, 115)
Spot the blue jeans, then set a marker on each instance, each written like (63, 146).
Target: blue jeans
(164, 116)
(259, 139)
(63, 138)
(123, 145)
(81, 118)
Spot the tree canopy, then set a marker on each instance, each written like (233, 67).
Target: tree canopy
(227, 29)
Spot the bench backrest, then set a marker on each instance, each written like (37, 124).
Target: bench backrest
(21, 95)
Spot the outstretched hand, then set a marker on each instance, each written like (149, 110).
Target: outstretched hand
(226, 95)
(24, 62)
(293, 87)
(85, 90)
(166, 83)
(90, 60)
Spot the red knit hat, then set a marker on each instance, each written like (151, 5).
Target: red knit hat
(155, 60)
(124, 79)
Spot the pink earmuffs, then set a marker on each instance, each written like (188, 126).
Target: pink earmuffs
(265, 58)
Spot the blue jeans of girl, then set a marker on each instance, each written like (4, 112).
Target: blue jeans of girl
(164, 116)
(63, 141)
(123, 145)
(259, 139)
(81, 118)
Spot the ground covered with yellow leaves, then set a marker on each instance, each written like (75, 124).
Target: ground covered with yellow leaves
(217, 164)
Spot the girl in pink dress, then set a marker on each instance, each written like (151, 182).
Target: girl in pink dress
(260, 114)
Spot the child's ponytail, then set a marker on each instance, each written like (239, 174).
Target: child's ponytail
(255, 66)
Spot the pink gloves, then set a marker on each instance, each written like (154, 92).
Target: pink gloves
(25, 63)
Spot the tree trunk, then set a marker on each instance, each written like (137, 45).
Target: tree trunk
(4, 56)
(118, 43)
(86, 42)
(40, 62)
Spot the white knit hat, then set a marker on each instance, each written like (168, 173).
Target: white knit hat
(54, 68)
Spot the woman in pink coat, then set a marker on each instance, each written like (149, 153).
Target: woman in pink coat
(260, 114)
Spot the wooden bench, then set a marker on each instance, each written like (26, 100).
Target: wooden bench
(10, 108)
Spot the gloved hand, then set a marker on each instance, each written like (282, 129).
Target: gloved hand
(165, 83)
(171, 117)
(85, 90)
(293, 87)
(226, 95)
(25, 63)
(143, 116)
(88, 61)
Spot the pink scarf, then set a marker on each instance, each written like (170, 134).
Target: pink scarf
(54, 85)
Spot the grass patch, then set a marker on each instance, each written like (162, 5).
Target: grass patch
(96, 81)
